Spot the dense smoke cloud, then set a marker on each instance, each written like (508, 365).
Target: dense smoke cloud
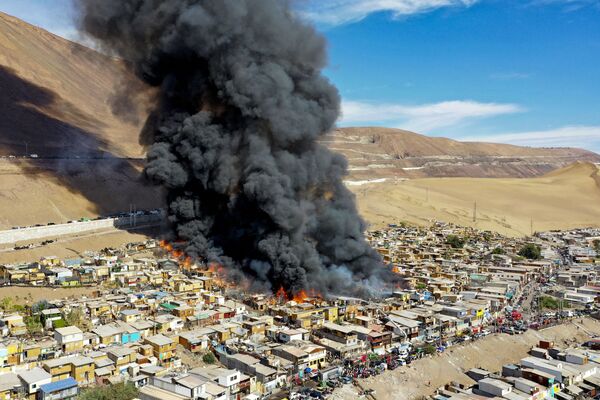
(233, 137)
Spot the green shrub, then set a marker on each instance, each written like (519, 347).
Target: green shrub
(455, 242)
(119, 391)
(531, 251)
(209, 358)
(551, 303)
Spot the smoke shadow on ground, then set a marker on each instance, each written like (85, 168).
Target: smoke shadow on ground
(74, 156)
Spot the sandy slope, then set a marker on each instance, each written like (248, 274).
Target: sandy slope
(566, 198)
(375, 152)
(29, 295)
(57, 99)
(57, 96)
(424, 376)
(58, 191)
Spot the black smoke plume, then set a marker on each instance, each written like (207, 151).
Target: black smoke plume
(233, 137)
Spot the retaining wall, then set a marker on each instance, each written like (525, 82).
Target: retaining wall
(52, 231)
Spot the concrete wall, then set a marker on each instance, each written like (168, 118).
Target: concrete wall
(53, 231)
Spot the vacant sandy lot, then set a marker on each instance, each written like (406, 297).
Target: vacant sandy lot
(564, 199)
(29, 295)
(72, 247)
(424, 376)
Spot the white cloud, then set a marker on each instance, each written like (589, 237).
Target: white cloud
(421, 118)
(337, 12)
(566, 136)
(507, 76)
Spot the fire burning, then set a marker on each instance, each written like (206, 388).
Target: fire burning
(174, 253)
(215, 270)
(281, 294)
(240, 105)
(299, 297)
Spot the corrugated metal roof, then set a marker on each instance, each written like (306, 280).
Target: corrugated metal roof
(59, 385)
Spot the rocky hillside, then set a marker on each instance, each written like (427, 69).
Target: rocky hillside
(56, 97)
(58, 101)
(375, 153)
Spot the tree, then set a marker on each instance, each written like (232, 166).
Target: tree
(531, 251)
(429, 349)
(421, 286)
(499, 250)
(33, 324)
(76, 317)
(209, 358)
(119, 391)
(596, 244)
(7, 304)
(40, 306)
(455, 242)
(552, 303)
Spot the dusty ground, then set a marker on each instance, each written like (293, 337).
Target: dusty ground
(564, 199)
(74, 246)
(41, 191)
(29, 295)
(422, 377)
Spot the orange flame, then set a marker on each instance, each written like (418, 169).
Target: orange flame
(216, 268)
(218, 273)
(187, 262)
(176, 253)
(165, 245)
(281, 293)
(300, 297)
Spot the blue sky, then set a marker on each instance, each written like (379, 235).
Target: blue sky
(516, 71)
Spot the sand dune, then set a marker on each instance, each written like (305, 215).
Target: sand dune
(566, 198)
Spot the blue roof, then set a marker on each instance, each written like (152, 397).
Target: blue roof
(59, 385)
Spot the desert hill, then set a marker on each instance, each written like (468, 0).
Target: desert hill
(57, 101)
(56, 96)
(566, 198)
(383, 152)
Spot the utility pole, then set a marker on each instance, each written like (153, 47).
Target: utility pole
(26, 149)
(531, 226)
